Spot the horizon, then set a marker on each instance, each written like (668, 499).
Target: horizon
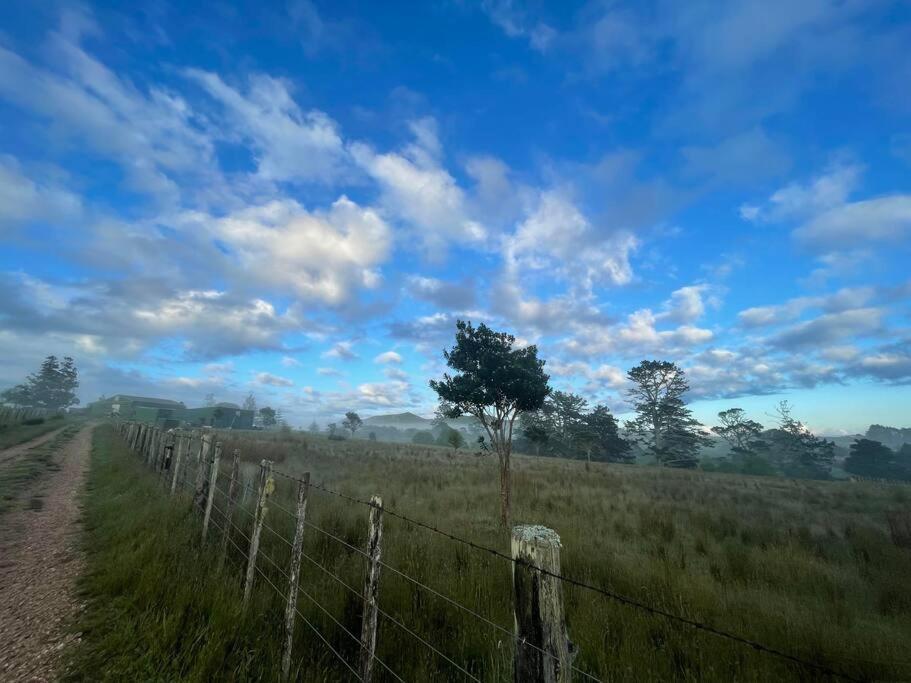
(300, 199)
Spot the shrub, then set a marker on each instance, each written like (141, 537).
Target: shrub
(33, 421)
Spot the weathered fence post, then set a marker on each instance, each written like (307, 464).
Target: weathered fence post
(229, 505)
(202, 459)
(266, 487)
(210, 499)
(297, 550)
(371, 587)
(543, 651)
(178, 459)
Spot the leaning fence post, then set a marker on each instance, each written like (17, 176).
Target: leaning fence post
(199, 494)
(229, 504)
(540, 623)
(297, 550)
(178, 459)
(210, 499)
(371, 587)
(266, 487)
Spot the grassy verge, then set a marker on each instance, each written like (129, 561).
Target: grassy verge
(156, 609)
(804, 567)
(15, 476)
(13, 435)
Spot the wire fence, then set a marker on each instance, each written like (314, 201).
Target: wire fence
(190, 463)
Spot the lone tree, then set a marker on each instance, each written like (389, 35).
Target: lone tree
(664, 424)
(493, 382)
(741, 434)
(53, 387)
(250, 402)
(352, 422)
(870, 458)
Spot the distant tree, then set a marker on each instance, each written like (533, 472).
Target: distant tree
(455, 439)
(664, 424)
(209, 400)
(250, 402)
(423, 438)
(494, 382)
(314, 428)
(600, 436)
(352, 422)
(268, 416)
(741, 434)
(371, 436)
(53, 387)
(801, 453)
(335, 434)
(870, 458)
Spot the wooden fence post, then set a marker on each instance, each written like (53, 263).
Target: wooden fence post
(266, 488)
(297, 550)
(229, 505)
(210, 499)
(199, 493)
(540, 623)
(371, 588)
(178, 459)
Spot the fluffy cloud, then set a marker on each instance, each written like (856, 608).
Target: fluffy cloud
(556, 237)
(268, 379)
(418, 190)
(388, 357)
(441, 293)
(342, 350)
(321, 255)
(831, 328)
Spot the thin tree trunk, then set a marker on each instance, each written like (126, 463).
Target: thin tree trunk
(505, 489)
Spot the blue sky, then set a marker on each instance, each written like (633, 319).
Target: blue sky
(299, 199)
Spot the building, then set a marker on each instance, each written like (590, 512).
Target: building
(167, 413)
(220, 416)
(161, 411)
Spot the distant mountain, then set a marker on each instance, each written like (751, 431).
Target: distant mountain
(893, 437)
(400, 421)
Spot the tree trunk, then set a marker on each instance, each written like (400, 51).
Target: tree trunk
(505, 489)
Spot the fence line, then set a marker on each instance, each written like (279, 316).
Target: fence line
(559, 663)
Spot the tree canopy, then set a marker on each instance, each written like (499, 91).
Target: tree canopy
(52, 387)
(494, 381)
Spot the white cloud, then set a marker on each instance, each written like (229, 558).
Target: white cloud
(290, 144)
(884, 219)
(419, 191)
(388, 357)
(556, 237)
(289, 362)
(322, 255)
(268, 379)
(342, 350)
(24, 199)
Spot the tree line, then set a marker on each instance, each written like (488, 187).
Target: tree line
(52, 387)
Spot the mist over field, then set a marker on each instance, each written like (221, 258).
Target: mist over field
(586, 322)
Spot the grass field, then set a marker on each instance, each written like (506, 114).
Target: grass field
(13, 435)
(805, 567)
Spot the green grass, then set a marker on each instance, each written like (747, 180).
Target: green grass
(17, 475)
(13, 435)
(805, 567)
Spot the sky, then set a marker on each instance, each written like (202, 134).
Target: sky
(299, 199)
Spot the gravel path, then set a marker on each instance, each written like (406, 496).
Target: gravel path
(40, 561)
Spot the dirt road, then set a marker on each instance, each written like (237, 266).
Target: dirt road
(8, 454)
(40, 561)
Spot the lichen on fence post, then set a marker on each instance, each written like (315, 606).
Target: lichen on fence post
(371, 588)
(297, 550)
(210, 497)
(543, 651)
(266, 488)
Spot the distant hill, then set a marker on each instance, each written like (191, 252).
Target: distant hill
(399, 421)
(893, 437)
